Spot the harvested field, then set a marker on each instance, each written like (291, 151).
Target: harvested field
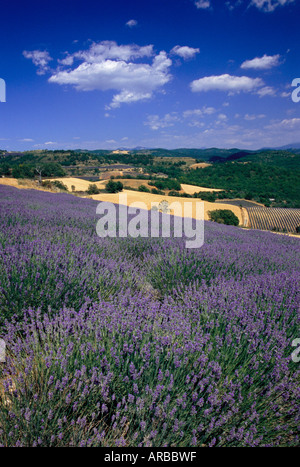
(191, 189)
(78, 183)
(200, 165)
(22, 183)
(132, 196)
(281, 219)
(149, 198)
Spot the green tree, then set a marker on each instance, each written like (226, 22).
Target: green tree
(143, 189)
(93, 189)
(224, 216)
(113, 187)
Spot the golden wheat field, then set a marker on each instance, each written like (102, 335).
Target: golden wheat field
(150, 199)
(135, 196)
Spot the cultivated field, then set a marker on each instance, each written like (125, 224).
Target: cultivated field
(200, 165)
(191, 189)
(20, 183)
(149, 199)
(141, 342)
(274, 218)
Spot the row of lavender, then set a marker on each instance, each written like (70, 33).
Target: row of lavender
(142, 342)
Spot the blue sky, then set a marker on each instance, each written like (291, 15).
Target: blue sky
(152, 73)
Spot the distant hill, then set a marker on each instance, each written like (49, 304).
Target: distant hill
(232, 157)
(293, 147)
(278, 158)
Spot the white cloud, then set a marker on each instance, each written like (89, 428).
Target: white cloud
(252, 117)
(155, 122)
(132, 23)
(270, 5)
(286, 124)
(67, 61)
(108, 66)
(235, 4)
(199, 112)
(185, 52)
(266, 91)
(261, 63)
(100, 51)
(228, 83)
(202, 4)
(208, 110)
(40, 58)
(192, 113)
(27, 140)
(127, 97)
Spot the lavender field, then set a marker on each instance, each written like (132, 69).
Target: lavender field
(142, 342)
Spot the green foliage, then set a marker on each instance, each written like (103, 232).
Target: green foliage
(60, 185)
(166, 184)
(28, 170)
(4, 169)
(46, 184)
(257, 181)
(284, 159)
(154, 191)
(258, 176)
(93, 189)
(52, 169)
(209, 196)
(114, 187)
(23, 171)
(143, 189)
(54, 183)
(223, 216)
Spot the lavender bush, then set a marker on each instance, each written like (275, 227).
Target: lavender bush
(142, 342)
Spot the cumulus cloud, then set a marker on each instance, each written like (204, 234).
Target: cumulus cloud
(108, 66)
(270, 5)
(100, 51)
(266, 91)
(193, 113)
(250, 118)
(132, 23)
(156, 123)
(236, 3)
(185, 52)
(199, 112)
(227, 83)
(262, 63)
(286, 124)
(40, 58)
(202, 4)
